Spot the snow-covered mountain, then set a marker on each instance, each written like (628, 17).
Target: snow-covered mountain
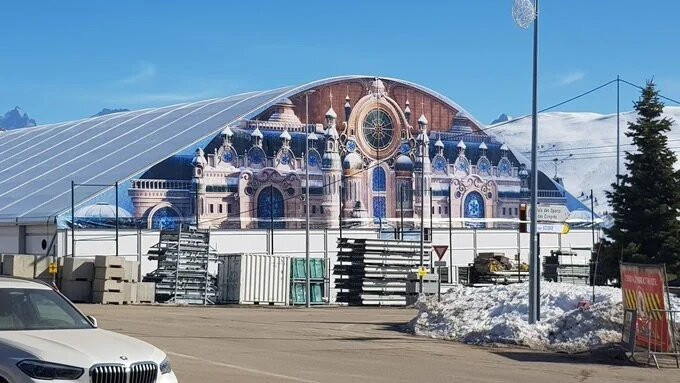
(106, 111)
(502, 118)
(581, 147)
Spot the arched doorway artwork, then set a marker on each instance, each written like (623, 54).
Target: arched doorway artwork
(165, 218)
(473, 207)
(379, 194)
(270, 206)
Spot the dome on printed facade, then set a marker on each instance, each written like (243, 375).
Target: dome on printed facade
(256, 133)
(352, 161)
(284, 113)
(403, 164)
(331, 113)
(199, 158)
(377, 86)
(101, 210)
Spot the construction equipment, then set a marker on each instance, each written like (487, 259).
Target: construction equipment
(496, 268)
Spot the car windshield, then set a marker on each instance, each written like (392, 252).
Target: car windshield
(38, 309)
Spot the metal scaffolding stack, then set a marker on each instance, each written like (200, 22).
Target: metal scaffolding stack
(376, 271)
(182, 276)
(557, 269)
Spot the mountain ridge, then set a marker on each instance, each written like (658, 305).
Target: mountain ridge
(581, 147)
(16, 118)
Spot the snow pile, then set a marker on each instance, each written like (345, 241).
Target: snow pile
(498, 314)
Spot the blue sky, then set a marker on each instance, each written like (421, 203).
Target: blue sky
(63, 60)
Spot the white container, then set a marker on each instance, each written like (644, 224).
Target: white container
(254, 279)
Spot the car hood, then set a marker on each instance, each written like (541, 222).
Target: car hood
(82, 348)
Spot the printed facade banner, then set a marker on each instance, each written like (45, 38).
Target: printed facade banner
(643, 289)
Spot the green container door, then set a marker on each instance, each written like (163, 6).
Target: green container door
(317, 269)
(299, 268)
(299, 293)
(316, 291)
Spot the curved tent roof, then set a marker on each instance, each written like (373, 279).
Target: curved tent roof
(37, 165)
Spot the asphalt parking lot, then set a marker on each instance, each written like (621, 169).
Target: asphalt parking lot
(254, 344)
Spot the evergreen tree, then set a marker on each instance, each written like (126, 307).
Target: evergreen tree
(646, 202)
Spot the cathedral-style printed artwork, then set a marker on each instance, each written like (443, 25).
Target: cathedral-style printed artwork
(374, 145)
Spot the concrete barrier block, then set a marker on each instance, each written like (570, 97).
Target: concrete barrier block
(78, 269)
(109, 261)
(106, 273)
(108, 285)
(107, 297)
(131, 268)
(42, 267)
(146, 292)
(19, 265)
(77, 291)
(130, 292)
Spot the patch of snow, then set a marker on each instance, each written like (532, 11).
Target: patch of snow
(498, 314)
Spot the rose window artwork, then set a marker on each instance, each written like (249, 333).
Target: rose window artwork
(378, 129)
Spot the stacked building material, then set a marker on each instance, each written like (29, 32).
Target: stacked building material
(76, 279)
(558, 268)
(182, 276)
(130, 282)
(317, 281)
(413, 286)
(146, 292)
(376, 271)
(108, 286)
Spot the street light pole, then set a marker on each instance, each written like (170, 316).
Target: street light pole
(73, 219)
(308, 299)
(422, 209)
(422, 123)
(117, 218)
(401, 208)
(525, 12)
(534, 286)
(618, 133)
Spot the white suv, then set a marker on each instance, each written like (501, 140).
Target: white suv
(43, 336)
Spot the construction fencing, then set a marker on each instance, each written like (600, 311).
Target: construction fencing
(464, 244)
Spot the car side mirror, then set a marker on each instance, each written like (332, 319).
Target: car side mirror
(92, 320)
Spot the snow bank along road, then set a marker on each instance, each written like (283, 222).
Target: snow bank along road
(498, 314)
(247, 345)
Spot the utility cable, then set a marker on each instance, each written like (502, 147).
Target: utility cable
(641, 88)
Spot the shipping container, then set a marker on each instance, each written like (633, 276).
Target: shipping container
(254, 279)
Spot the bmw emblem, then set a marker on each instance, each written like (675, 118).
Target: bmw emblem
(123, 357)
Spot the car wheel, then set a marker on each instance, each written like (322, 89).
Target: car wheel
(3, 380)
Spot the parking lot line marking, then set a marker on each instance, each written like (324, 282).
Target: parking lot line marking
(246, 369)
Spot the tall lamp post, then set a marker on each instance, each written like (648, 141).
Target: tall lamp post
(308, 299)
(422, 138)
(525, 12)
